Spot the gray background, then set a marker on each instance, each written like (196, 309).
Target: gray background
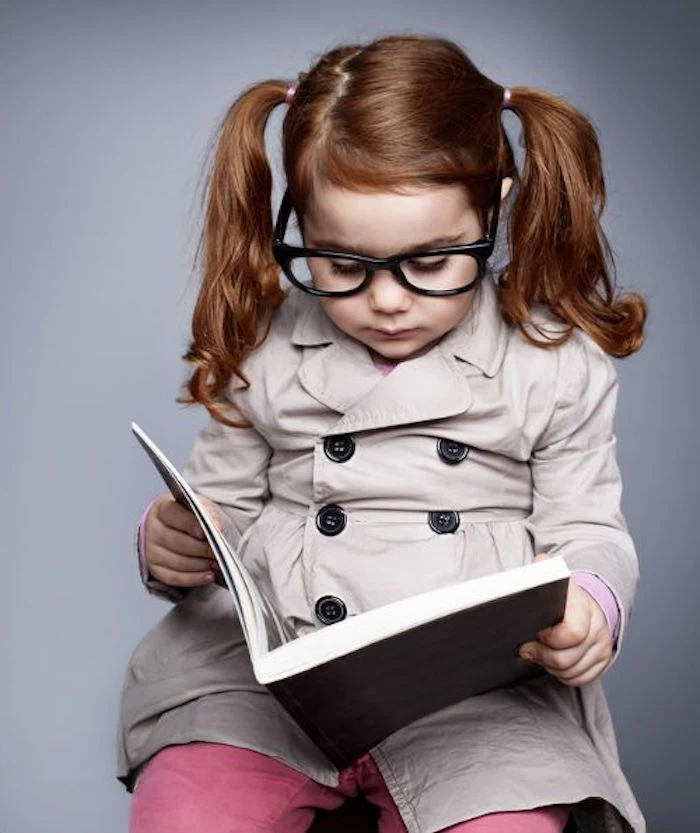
(107, 110)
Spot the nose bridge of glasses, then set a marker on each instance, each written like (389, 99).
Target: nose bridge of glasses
(387, 286)
(391, 265)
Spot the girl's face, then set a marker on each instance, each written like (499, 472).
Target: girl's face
(393, 322)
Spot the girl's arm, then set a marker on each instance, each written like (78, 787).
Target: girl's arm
(577, 488)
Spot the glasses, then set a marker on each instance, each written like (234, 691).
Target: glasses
(449, 270)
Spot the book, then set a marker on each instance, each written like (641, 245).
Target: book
(351, 684)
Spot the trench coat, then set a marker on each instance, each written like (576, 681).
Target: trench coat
(537, 472)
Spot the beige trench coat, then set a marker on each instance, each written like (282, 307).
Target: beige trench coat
(540, 476)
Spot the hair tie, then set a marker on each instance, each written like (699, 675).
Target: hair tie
(290, 92)
(506, 97)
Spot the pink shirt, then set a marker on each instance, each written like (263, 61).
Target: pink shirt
(594, 584)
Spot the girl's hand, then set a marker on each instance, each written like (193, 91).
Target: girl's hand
(175, 548)
(578, 649)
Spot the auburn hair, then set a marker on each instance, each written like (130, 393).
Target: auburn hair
(402, 110)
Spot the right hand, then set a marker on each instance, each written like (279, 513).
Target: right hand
(175, 548)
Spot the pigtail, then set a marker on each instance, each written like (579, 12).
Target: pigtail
(240, 287)
(560, 255)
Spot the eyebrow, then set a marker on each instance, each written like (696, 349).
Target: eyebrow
(434, 243)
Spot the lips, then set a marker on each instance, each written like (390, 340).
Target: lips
(393, 333)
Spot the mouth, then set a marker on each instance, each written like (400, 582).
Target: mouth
(391, 334)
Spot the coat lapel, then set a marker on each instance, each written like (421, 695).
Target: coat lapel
(338, 371)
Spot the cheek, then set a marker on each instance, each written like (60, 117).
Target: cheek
(343, 312)
(450, 312)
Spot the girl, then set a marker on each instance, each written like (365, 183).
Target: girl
(400, 418)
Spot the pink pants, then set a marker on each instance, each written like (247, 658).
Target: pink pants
(215, 788)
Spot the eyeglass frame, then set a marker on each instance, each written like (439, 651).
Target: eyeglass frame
(481, 250)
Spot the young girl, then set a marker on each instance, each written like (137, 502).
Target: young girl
(397, 419)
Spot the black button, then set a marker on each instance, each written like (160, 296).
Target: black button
(330, 609)
(331, 519)
(339, 447)
(452, 451)
(442, 522)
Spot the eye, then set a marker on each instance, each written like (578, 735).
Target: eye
(347, 267)
(425, 265)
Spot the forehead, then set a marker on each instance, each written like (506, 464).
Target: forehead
(380, 222)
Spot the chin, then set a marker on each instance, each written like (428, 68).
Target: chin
(397, 352)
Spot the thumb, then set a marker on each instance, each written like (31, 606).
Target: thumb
(212, 510)
(541, 555)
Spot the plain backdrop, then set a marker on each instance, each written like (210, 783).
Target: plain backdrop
(107, 110)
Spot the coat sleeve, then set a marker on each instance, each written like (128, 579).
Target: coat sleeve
(576, 483)
(228, 466)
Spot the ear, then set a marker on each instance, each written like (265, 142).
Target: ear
(506, 185)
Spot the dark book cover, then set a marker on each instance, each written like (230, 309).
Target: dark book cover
(351, 703)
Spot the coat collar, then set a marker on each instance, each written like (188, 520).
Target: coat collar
(338, 371)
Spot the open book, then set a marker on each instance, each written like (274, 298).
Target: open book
(351, 684)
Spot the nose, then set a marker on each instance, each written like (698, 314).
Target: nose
(386, 294)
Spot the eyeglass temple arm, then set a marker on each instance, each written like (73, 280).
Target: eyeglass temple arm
(283, 216)
(496, 209)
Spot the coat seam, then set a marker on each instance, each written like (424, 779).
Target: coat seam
(406, 803)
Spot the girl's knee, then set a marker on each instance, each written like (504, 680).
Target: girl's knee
(216, 788)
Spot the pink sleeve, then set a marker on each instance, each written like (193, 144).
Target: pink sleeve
(603, 594)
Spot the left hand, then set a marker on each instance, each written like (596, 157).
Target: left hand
(578, 649)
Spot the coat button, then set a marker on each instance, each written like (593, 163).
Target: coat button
(339, 447)
(451, 451)
(331, 520)
(330, 609)
(442, 522)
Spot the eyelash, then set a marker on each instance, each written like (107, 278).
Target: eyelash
(424, 267)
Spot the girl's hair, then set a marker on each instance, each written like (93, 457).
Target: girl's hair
(404, 110)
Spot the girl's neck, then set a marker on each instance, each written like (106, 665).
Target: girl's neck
(383, 364)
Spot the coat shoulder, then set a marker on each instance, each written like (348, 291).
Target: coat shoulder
(579, 352)
(555, 379)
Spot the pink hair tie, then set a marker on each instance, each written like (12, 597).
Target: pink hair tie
(290, 92)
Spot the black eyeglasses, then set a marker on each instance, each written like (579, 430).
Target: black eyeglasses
(449, 270)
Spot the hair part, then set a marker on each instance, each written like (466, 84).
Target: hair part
(401, 111)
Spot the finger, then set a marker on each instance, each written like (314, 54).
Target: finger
(560, 661)
(182, 543)
(575, 628)
(588, 676)
(178, 579)
(174, 515)
(180, 563)
(574, 660)
(591, 659)
(598, 639)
